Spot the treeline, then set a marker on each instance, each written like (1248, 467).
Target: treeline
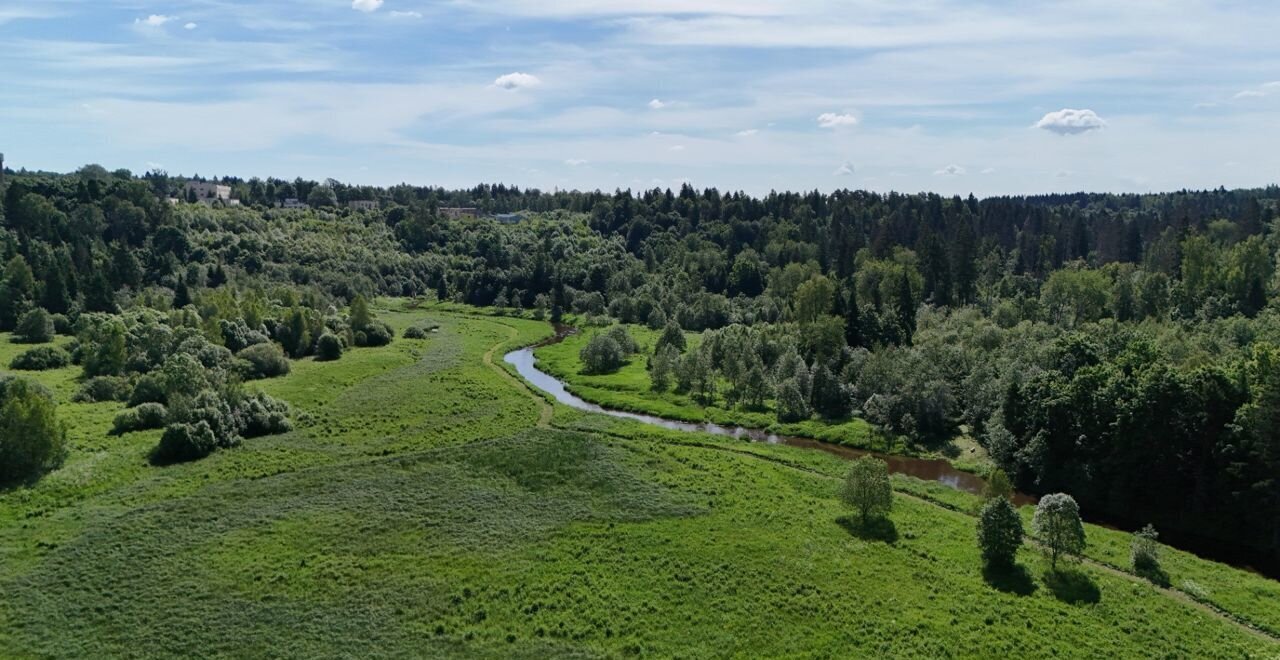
(1117, 347)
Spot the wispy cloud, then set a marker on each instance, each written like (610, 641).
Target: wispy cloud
(366, 6)
(836, 120)
(154, 20)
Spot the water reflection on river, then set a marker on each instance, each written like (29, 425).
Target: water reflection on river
(927, 469)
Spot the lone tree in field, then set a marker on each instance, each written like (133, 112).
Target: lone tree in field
(999, 532)
(1145, 550)
(866, 488)
(32, 439)
(1057, 525)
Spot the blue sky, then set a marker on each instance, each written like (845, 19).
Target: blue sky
(995, 97)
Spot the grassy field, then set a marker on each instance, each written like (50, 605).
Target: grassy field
(629, 389)
(419, 510)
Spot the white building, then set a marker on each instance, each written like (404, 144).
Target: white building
(208, 192)
(293, 203)
(362, 205)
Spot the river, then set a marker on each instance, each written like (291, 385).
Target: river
(937, 470)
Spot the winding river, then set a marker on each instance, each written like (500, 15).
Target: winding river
(926, 469)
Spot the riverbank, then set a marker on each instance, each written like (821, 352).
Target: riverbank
(628, 389)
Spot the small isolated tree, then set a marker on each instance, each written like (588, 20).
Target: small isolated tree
(1057, 525)
(662, 366)
(867, 489)
(998, 486)
(1144, 550)
(672, 335)
(360, 314)
(601, 355)
(999, 532)
(35, 327)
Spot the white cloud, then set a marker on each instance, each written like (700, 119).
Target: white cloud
(574, 162)
(517, 80)
(366, 5)
(657, 104)
(406, 14)
(154, 20)
(834, 120)
(845, 169)
(1068, 121)
(747, 133)
(951, 170)
(988, 170)
(190, 26)
(677, 147)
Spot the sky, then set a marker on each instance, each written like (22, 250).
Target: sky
(988, 97)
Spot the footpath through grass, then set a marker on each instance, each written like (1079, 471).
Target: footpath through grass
(416, 511)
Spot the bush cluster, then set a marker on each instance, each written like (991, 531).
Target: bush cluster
(41, 358)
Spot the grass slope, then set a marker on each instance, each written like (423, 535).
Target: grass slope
(417, 512)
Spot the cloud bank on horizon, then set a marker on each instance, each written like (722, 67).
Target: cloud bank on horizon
(957, 97)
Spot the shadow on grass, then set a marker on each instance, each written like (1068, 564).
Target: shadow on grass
(873, 529)
(1152, 573)
(1011, 579)
(1071, 585)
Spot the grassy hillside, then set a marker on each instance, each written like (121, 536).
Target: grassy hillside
(419, 510)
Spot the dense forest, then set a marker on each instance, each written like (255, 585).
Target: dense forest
(1121, 348)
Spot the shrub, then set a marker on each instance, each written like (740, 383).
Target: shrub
(415, 332)
(998, 485)
(32, 438)
(329, 347)
(184, 442)
(41, 358)
(213, 410)
(145, 417)
(150, 388)
(264, 361)
(866, 487)
(376, 333)
(999, 532)
(62, 325)
(103, 388)
(623, 338)
(35, 327)
(237, 335)
(263, 415)
(601, 355)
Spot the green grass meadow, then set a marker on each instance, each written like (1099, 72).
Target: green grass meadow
(419, 510)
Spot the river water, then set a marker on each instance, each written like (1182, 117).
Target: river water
(937, 470)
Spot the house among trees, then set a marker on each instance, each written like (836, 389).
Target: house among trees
(292, 203)
(362, 205)
(458, 212)
(208, 193)
(509, 218)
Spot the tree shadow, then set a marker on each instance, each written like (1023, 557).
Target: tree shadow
(873, 529)
(1153, 574)
(1009, 578)
(1073, 586)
